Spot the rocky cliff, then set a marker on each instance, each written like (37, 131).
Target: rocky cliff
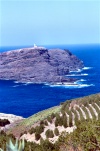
(38, 65)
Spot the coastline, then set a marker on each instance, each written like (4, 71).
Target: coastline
(11, 117)
(75, 83)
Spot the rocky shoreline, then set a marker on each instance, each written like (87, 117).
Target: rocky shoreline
(13, 119)
(38, 65)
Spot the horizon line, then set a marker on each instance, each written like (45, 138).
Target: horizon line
(49, 45)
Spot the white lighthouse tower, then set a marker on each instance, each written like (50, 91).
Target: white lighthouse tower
(35, 46)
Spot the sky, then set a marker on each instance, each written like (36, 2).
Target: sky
(47, 22)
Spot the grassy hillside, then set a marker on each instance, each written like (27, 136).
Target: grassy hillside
(50, 130)
(72, 111)
(27, 123)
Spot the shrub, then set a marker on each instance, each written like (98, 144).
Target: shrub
(47, 146)
(49, 119)
(32, 130)
(56, 123)
(39, 129)
(37, 136)
(18, 146)
(65, 121)
(62, 111)
(52, 116)
(49, 133)
(46, 123)
(70, 119)
(56, 131)
(41, 122)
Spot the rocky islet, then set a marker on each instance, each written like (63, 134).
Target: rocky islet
(38, 65)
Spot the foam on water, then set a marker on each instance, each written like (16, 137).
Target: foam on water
(80, 70)
(74, 75)
(15, 86)
(87, 68)
(27, 83)
(72, 86)
(82, 80)
(16, 82)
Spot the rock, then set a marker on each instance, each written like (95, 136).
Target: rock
(13, 119)
(38, 65)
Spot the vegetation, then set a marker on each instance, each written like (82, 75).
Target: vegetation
(28, 122)
(56, 131)
(18, 146)
(49, 134)
(37, 136)
(79, 112)
(85, 138)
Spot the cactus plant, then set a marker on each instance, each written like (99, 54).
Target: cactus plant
(17, 147)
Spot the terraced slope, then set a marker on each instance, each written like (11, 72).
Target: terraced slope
(26, 124)
(62, 118)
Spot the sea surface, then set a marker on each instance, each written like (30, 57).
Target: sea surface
(25, 99)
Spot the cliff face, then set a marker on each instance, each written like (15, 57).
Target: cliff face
(38, 65)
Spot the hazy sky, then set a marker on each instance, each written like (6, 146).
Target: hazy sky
(25, 22)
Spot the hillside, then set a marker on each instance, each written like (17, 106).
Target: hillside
(72, 126)
(38, 65)
(63, 117)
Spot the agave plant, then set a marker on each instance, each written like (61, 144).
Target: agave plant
(17, 147)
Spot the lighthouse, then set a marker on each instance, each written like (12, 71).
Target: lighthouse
(35, 46)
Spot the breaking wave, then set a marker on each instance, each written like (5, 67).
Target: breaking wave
(80, 70)
(87, 68)
(82, 74)
(72, 85)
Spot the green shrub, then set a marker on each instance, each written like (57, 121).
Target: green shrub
(49, 133)
(56, 131)
(39, 129)
(46, 123)
(37, 136)
(49, 119)
(17, 147)
(65, 121)
(52, 116)
(58, 120)
(41, 122)
(56, 123)
(70, 120)
(32, 130)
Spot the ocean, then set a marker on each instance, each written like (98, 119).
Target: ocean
(25, 99)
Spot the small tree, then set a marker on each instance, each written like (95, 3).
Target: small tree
(39, 129)
(56, 123)
(41, 122)
(49, 133)
(58, 120)
(32, 130)
(56, 131)
(49, 119)
(70, 119)
(37, 136)
(65, 121)
(46, 123)
(52, 116)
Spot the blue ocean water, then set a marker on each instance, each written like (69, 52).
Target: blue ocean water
(27, 99)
